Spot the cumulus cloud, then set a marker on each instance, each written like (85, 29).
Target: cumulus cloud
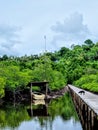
(8, 39)
(71, 30)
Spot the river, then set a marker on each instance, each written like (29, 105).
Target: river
(57, 114)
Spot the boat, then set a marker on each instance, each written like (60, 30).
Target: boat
(38, 96)
(39, 102)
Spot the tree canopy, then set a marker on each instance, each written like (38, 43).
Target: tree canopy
(77, 65)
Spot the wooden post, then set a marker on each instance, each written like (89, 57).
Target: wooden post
(46, 89)
(31, 108)
(31, 91)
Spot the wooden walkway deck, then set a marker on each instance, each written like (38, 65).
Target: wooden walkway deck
(89, 98)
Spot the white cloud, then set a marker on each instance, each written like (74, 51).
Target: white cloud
(8, 39)
(71, 30)
(35, 19)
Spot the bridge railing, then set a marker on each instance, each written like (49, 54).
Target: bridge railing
(87, 115)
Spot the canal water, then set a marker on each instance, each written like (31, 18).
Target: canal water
(56, 114)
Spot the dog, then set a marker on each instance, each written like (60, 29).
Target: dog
(82, 92)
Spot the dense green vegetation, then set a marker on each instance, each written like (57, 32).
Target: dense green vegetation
(77, 65)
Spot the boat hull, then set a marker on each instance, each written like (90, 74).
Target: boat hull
(38, 96)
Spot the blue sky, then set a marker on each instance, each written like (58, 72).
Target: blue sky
(23, 24)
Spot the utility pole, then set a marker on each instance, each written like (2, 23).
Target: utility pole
(45, 59)
(45, 42)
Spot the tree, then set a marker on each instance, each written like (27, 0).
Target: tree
(2, 85)
(89, 43)
(4, 57)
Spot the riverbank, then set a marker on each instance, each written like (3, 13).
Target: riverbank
(21, 96)
(58, 93)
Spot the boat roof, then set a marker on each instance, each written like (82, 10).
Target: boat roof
(38, 83)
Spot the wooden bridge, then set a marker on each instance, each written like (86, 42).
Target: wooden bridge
(86, 104)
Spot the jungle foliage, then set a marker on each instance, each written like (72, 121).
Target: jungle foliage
(77, 65)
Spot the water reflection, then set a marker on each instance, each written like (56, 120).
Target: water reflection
(41, 110)
(54, 115)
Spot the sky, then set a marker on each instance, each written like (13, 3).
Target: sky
(28, 26)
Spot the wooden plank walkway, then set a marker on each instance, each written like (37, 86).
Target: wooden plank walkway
(89, 98)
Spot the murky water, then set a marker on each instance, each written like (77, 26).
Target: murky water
(58, 114)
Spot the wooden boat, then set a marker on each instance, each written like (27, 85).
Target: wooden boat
(38, 96)
(39, 101)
